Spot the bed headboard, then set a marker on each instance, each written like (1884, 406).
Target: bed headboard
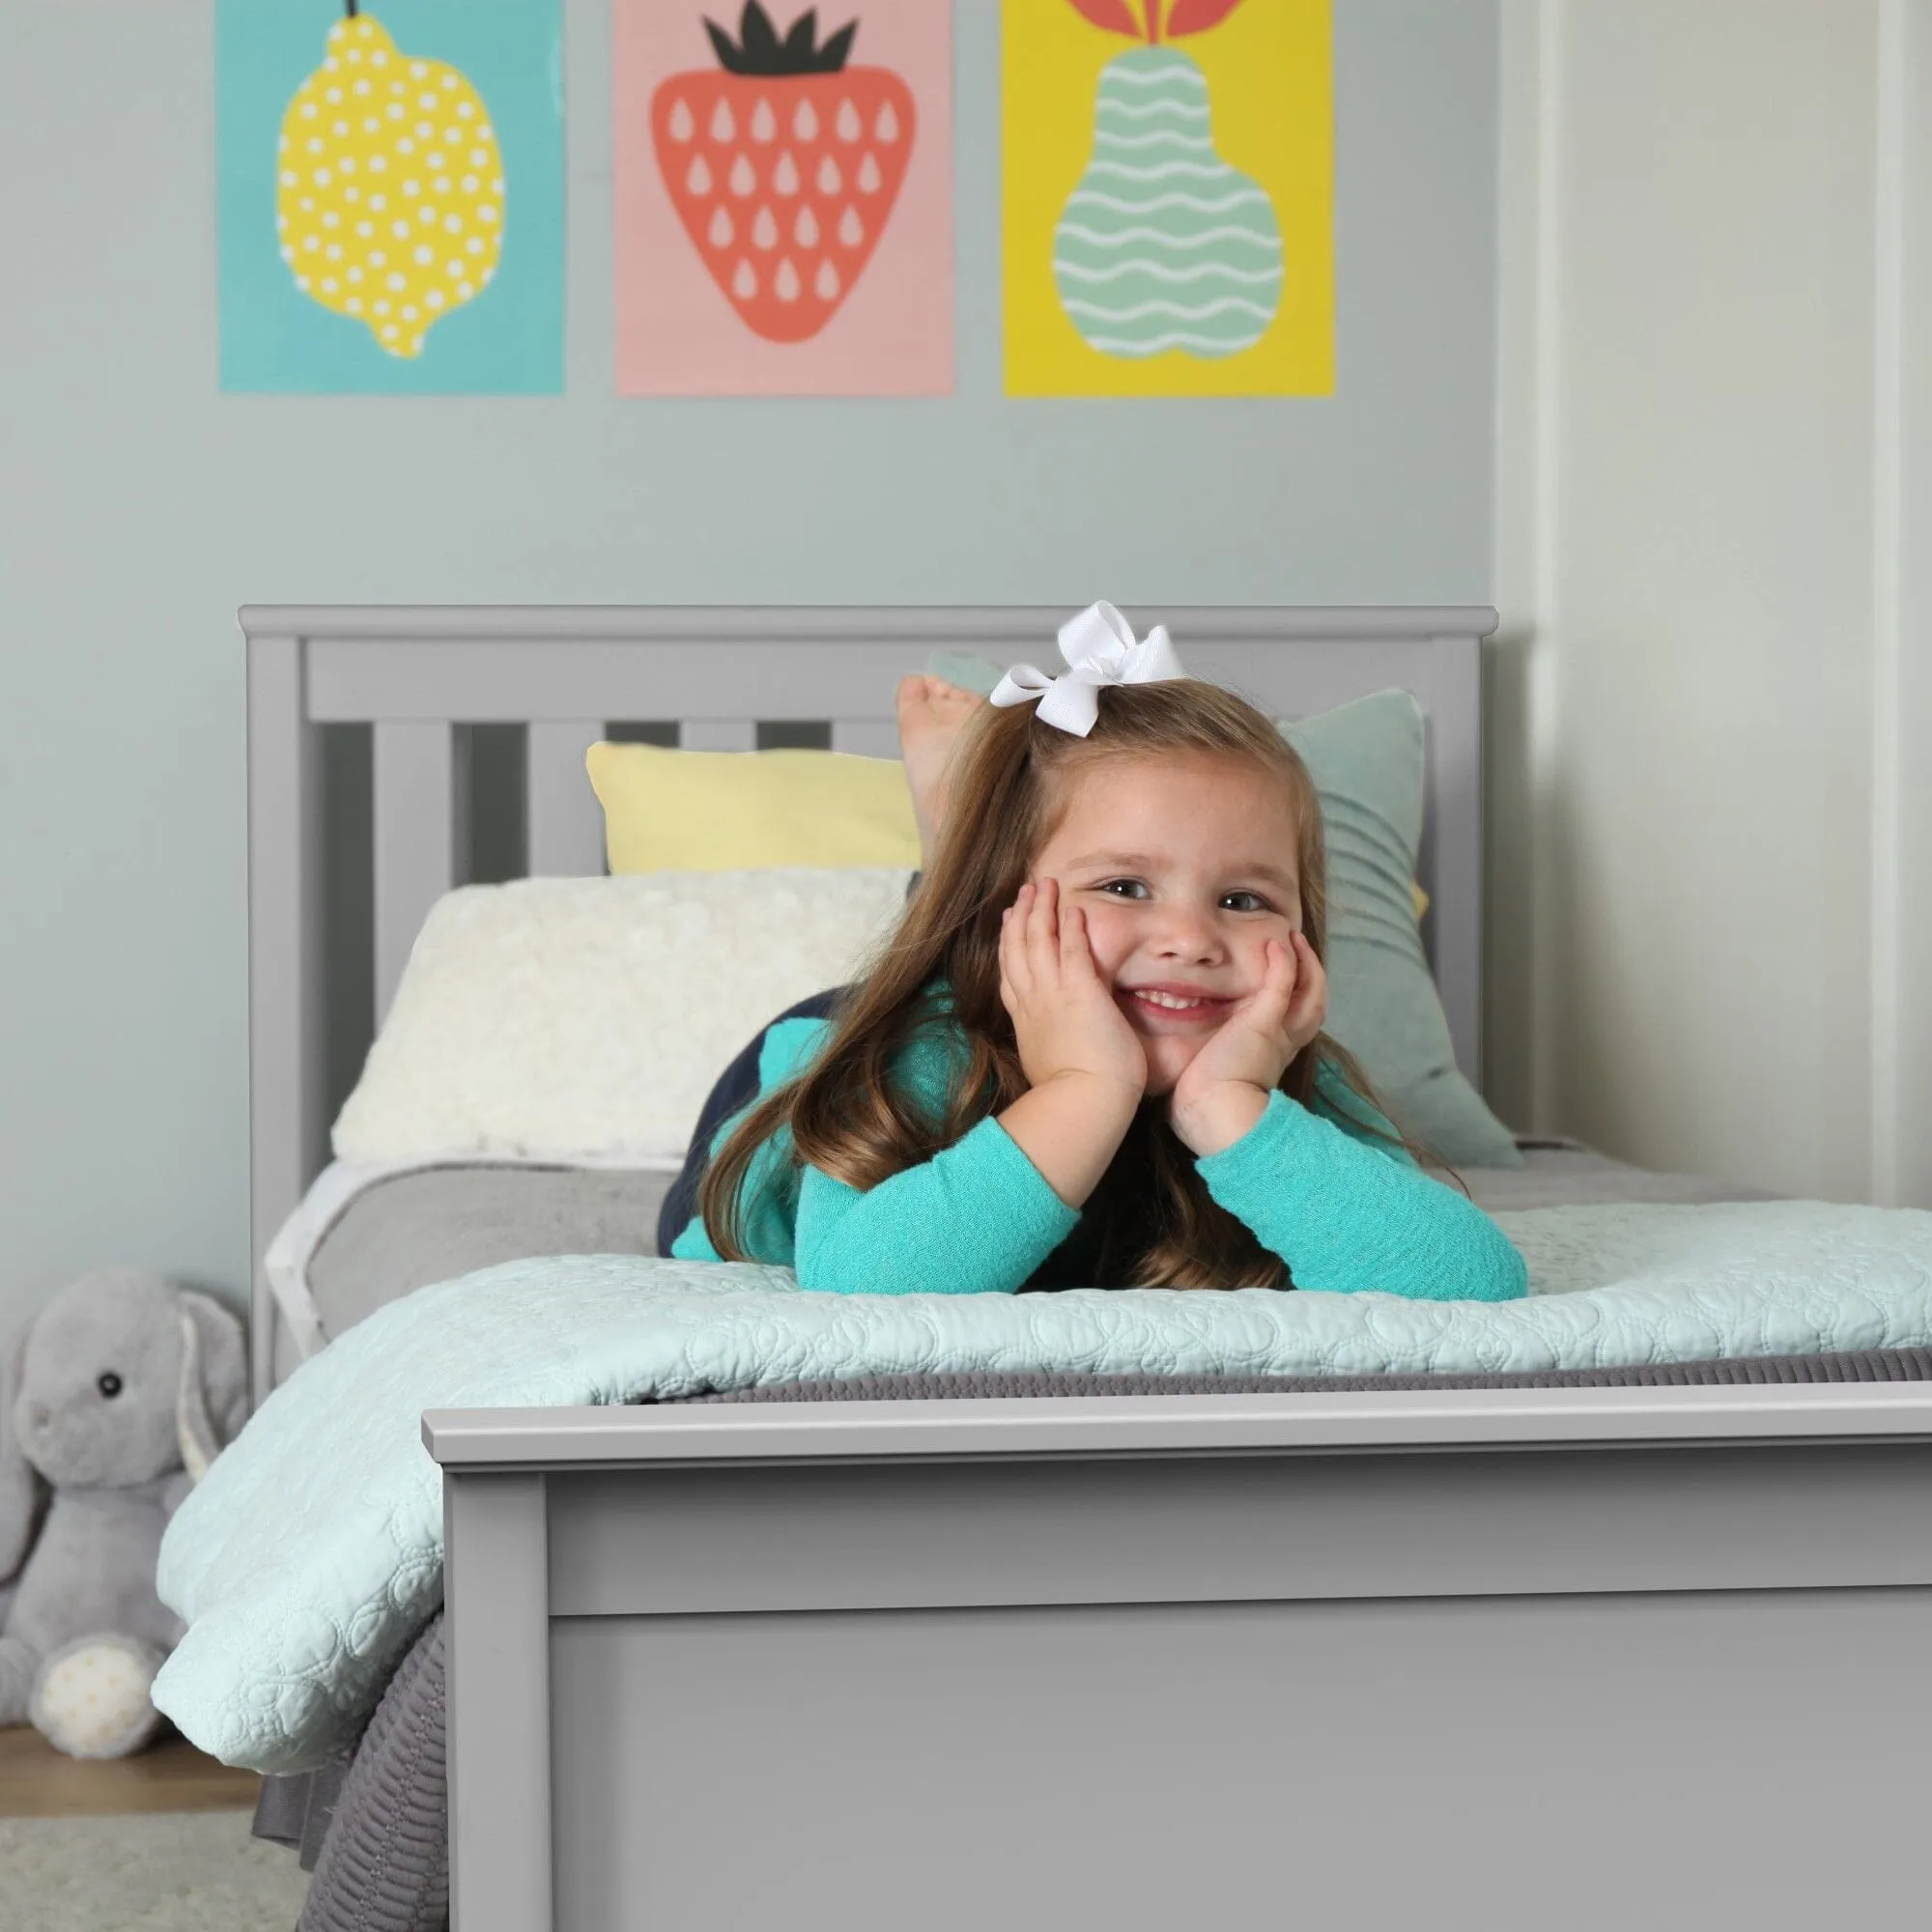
(421, 679)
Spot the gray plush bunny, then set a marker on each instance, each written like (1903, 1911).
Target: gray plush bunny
(113, 1402)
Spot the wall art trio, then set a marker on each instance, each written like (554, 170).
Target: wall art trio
(391, 198)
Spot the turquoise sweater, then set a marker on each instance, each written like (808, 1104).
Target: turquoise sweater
(1346, 1212)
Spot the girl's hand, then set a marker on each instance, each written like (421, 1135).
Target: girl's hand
(1065, 1019)
(1086, 1065)
(1226, 1086)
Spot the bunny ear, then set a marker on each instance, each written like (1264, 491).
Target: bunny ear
(20, 1486)
(212, 1402)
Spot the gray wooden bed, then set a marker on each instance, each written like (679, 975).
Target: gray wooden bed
(426, 684)
(1518, 1658)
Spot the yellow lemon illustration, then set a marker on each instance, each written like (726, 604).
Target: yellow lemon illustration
(390, 201)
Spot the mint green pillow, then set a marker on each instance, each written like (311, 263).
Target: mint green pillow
(1366, 759)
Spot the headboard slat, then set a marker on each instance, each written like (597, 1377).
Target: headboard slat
(718, 734)
(868, 737)
(566, 828)
(416, 840)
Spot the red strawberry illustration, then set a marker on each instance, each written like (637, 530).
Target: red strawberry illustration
(784, 165)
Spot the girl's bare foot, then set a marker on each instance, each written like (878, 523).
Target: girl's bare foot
(932, 714)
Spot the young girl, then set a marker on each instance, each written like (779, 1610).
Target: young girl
(1092, 1054)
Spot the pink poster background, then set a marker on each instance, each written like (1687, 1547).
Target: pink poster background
(677, 333)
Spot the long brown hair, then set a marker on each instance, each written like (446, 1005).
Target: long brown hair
(850, 1116)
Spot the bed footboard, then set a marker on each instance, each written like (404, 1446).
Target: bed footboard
(1513, 1658)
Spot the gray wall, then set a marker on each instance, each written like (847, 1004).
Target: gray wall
(138, 507)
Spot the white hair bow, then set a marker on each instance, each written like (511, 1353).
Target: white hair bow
(1101, 649)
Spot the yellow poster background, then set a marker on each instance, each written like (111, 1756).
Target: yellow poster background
(1270, 94)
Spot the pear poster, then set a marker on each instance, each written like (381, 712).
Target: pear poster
(783, 198)
(390, 181)
(1167, 186)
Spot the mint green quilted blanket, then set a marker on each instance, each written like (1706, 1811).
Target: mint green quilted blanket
(311, 1554)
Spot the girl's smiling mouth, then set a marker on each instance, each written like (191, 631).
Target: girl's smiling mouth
(1173, 1007)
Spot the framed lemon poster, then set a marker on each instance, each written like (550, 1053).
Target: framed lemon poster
(390, 183)
(1167, 191)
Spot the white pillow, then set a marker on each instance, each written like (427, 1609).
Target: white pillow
(586, 1019)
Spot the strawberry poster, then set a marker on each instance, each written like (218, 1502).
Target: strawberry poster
(390, 179)
(784, 199)
(1167, 186)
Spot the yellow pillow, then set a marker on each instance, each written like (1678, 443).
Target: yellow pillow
(724, 811)
(721, 811)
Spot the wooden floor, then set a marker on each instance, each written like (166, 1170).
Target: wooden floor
(36, 1782)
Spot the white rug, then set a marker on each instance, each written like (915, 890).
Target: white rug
(173, 1872)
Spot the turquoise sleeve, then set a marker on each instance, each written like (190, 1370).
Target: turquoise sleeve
(1350, 1217)
(1359, 1116)
(770, 1195)
(977, 1218)
(694, 1244)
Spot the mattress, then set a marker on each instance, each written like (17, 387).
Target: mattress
(1566, 1174)
(365, 1238)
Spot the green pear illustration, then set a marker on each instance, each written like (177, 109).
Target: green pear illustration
(1163, 244)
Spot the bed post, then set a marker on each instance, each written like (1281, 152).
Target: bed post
(1452, 840)
(496, 1589)
(285, 954)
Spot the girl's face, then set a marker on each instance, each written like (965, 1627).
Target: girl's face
(1184, 868)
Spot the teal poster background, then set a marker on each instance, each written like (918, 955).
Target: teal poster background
(508, 340)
